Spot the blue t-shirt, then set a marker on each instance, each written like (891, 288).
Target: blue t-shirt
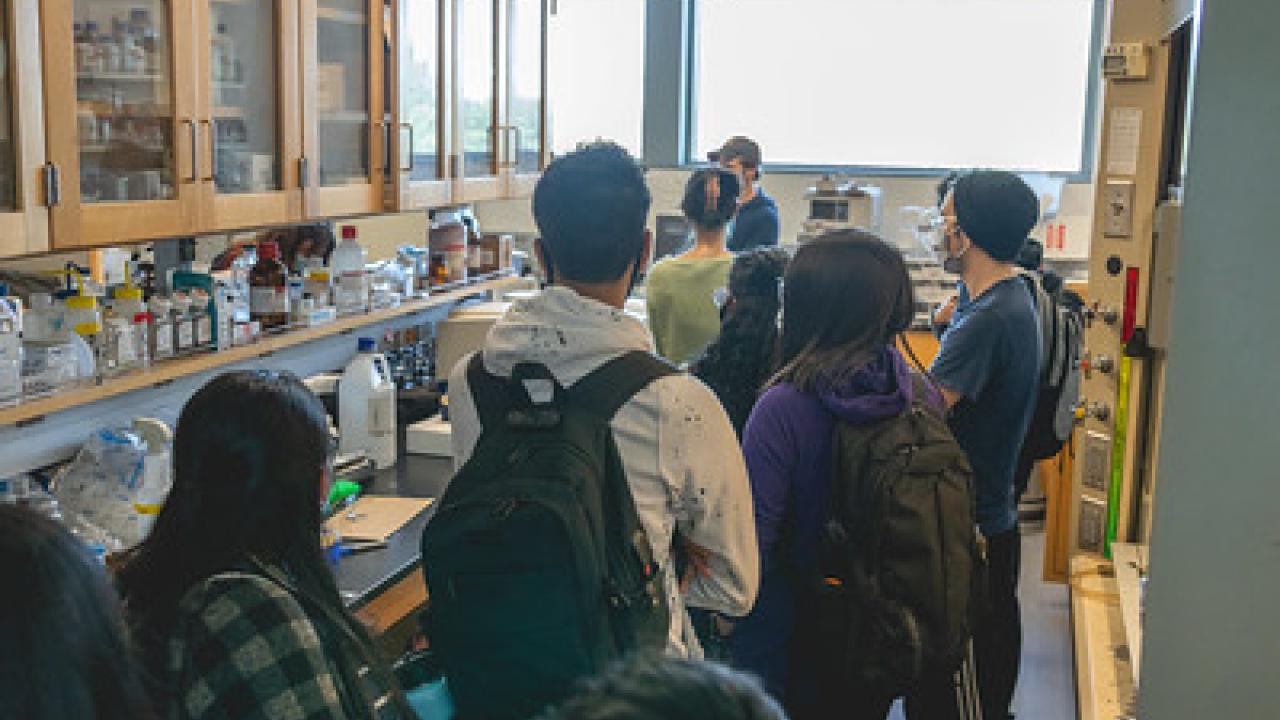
(756, 224)
(990, 355)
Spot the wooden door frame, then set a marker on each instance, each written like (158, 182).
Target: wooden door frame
(26, 228)
(220, 212)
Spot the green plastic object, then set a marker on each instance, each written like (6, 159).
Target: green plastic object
(341, 492)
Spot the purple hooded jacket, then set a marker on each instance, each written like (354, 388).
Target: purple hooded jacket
(787, 444)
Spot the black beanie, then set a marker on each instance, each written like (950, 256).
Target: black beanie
(997, 210)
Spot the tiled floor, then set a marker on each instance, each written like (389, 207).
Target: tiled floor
(1046, 687)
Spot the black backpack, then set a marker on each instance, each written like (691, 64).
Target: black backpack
(538, 569)
(1062, 330)
(901, 564)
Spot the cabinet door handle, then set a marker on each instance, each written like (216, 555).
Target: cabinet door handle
(193, 137)
(515, 146)
(304, 172)
(52, 185)
(213, 150)
(409, 127)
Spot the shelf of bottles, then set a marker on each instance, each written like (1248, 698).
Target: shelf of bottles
(7, 167)
(343, 91)
(124, 108)
(246, 147)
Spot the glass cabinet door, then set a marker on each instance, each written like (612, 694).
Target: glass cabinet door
(125, 105)
(8, 154)
(419, 87)
(244, 132)
(342, 91)
(477, 85)
(525, 86)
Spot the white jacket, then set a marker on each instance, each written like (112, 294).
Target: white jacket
(678, 449)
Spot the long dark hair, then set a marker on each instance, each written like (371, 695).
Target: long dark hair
(250, 453)
(739, 361)
(847, 295)
(64, 653)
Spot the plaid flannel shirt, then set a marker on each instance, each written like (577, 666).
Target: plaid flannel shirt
(245, 649)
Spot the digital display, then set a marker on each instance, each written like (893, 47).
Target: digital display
(833, 210)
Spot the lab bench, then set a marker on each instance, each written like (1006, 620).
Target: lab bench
(385, 587)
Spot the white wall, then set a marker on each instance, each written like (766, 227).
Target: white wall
(667, 186)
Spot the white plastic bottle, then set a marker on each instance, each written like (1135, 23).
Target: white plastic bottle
(351, 283)
(367, 406)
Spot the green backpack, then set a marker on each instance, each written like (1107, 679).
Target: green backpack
(538, 569)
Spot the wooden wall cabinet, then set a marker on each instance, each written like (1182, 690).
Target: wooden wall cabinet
(343, 126)
(122, 119)
(24, 217)
(523, 78)
(421, 129)
(152, 119)
(248, 54)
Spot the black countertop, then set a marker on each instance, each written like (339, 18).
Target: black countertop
(363, 576)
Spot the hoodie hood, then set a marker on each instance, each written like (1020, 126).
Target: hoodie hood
(571, 335)
(880, 389)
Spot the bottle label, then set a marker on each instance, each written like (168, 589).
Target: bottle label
(381, 423)
(164, 340)
(185, 335)
(204, 330)
(268, 301)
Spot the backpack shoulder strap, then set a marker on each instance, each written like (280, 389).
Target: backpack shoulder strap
(490, 394)
(606, 389)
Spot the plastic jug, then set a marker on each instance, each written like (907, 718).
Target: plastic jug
(157, 480)
(367, 407)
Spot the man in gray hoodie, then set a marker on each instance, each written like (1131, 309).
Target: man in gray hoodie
(678, 449)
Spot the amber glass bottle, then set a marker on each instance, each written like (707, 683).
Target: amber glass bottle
(269, 288)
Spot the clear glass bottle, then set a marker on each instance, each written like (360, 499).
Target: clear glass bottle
(161, 327)
(201, 320)
(183, 330)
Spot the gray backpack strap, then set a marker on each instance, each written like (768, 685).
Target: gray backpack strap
(607, 388)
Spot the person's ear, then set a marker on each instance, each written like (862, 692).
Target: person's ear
(646, 252)
(540, 250)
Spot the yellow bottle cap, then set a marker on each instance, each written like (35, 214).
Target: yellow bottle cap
(82, 302)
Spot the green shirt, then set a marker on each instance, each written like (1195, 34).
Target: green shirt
(683, 315)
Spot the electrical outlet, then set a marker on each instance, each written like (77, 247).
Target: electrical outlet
(1091, 533)
(1097, 461)
(1117, 206)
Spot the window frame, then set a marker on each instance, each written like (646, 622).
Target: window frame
(671, 109)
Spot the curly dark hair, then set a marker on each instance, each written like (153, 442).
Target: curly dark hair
(739, 362)
(655, 688)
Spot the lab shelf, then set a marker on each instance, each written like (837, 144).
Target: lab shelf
(169, 371)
